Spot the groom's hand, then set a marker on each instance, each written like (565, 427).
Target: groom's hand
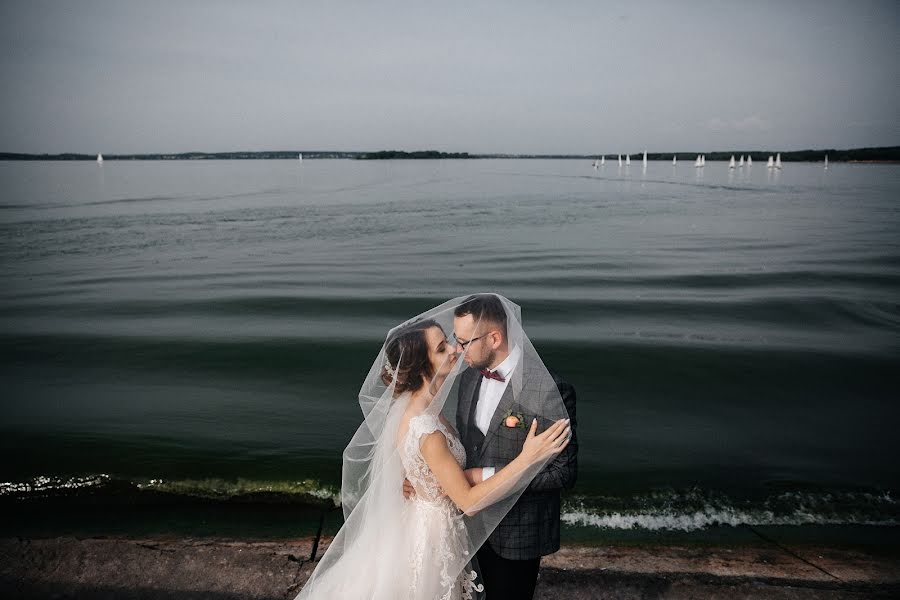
(408, 490)
(474, 476)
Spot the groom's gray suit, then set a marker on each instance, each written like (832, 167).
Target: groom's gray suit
(531, 528)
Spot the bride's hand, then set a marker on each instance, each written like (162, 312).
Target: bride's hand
(552, 441)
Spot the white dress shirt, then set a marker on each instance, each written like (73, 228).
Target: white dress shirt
(489, 395)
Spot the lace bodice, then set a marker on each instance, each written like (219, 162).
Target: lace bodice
(418, 472)
(425, 542)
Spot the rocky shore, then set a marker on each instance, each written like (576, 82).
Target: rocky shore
(222, 569)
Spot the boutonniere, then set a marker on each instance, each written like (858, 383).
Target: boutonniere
(512, 419)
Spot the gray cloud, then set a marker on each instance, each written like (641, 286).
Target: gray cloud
(483, 77)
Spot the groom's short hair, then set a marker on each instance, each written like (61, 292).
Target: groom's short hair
(486, 308)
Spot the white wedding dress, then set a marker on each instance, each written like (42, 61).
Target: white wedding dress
(423, 554)
(435, 522)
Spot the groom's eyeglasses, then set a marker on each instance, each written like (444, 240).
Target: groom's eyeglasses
(462, 344)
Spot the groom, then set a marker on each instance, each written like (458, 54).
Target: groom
(510, 558)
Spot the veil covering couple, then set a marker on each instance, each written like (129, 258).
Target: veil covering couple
(451, 485)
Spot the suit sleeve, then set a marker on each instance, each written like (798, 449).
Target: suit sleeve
(562, 471)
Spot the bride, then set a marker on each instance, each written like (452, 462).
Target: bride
(423, 547)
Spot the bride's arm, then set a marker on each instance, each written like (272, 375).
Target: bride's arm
(471, 498)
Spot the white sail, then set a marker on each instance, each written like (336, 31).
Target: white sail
(741, 162)
(603, 161)
(627, 160)
(702, 160)
(645, 159)
(826, 162)
(99, 159)
(778, 161)
(749, 161)
(620, 159)
(771, 163)
(674, 160)
(731, 162)
(300, 156)
(697, 161)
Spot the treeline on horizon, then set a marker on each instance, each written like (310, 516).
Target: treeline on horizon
(884, 153)
(418, 154)
(879, 154)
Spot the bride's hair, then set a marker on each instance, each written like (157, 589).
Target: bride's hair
(408, 343)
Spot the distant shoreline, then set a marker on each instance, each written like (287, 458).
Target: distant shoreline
(881, 155)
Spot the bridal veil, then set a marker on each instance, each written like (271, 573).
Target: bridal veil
(372, 550)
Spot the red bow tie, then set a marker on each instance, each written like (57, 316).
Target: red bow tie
(492, 375)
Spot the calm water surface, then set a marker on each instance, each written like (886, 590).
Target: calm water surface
(732, 335)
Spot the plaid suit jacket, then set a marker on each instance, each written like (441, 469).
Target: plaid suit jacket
(531, 528)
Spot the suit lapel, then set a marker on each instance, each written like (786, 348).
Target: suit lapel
(472, 427)
(468, 397)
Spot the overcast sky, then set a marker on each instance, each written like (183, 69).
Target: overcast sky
(521, 76)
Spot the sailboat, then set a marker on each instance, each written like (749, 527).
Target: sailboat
(741, 162)
(603, 161)
(645, 159)
(778, 161)
(826, 162)
(300, 157)
(749, 161)
(674, 160)
(702, 160)
(627, 160)
(620, 159)
(99, 159)
(731, 162)
(771, 163)
(697, 162)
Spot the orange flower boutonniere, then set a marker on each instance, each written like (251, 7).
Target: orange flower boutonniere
(512, 419)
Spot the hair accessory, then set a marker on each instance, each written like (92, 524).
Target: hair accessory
(391, 370)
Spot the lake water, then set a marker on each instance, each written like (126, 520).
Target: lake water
(203, 327)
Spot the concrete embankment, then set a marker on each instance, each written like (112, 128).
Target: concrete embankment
(222, 569)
